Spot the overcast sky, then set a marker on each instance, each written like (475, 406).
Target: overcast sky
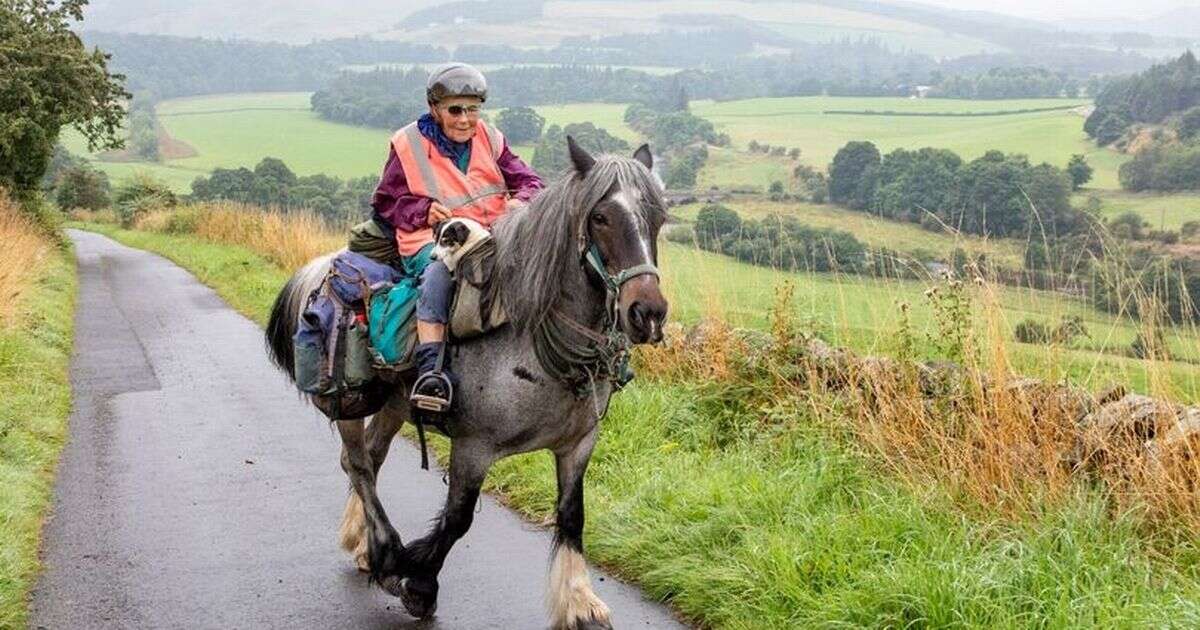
(1059, 9)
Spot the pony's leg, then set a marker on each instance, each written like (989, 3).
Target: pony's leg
(382, 428)
(423, 558)
(383, 543)
(571, 602)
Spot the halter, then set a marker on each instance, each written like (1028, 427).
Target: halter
(613, 282)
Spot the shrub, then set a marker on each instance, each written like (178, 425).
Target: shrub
(1031, 331)
(680, 233)
(1152, 346)
(139, 195)
(82, 188)
(1068, 330)
(1129, 225)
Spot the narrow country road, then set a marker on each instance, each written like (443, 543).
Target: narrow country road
(198, 491)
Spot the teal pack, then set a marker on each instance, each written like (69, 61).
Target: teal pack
(393, 315)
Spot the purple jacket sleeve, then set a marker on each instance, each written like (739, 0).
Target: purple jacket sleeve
(394, 203)
(518, 176)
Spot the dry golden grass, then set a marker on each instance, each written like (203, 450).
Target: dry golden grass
(287, 239)
(22, 249)
(1000, 443)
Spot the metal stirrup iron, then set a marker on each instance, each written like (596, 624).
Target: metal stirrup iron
(424, 406)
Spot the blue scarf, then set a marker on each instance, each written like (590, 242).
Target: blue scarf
(457, 152)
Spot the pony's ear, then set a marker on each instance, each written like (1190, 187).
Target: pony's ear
(643, 155)
(579, 157)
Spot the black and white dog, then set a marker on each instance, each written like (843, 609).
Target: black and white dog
(455, 237)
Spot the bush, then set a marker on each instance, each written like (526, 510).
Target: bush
(1128, 225)
(140, 195)
(680, 233)
(715, 221)
(1150, 347)
(1031, 331)
(1068, 330)
(82, 188)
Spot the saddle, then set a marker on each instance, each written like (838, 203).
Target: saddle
(358, 330)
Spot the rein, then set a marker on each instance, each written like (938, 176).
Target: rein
(578, 355)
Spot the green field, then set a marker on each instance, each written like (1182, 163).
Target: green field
(1162, 212)
(871, 230)
(241, 129)
(799, 122)
(863, 313)
(795, 524)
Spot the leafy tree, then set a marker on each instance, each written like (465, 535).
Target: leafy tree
(684, 166)
(1129, 225)
(1147, 97)
(714, 222)
(520, 125)
(272, 183)
(48, 80)
(1079, 170)
(274, 169)
(550, 158)
(776, 188)
(1189, 124)
(84, 188)
(143, 128)
(850, 179)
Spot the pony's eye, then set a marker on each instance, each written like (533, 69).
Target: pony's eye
(599, 218)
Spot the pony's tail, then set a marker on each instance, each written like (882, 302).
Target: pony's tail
(281, 327)
(285, 313)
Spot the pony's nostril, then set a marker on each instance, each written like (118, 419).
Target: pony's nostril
(637, 312)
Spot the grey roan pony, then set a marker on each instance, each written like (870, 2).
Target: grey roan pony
(508, 404)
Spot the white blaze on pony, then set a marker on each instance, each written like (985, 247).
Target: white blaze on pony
(526, 399)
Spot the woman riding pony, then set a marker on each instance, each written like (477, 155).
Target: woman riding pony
(449, 163)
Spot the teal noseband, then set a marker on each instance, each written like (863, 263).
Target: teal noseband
(614, 282)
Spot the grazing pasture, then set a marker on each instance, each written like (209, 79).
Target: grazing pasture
(800, 122)
(1161, 211)
(873, 231)
(240, 129)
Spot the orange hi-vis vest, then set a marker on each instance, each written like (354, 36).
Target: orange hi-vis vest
(479, 194)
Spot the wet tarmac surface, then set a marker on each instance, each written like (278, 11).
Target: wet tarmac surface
(198, 491)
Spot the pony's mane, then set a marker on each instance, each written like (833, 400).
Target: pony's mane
(539, 245)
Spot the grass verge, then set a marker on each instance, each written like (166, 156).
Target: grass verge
(36, 328)
(747, 511)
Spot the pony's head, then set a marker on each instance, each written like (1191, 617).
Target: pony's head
(610, 205)
(621, 229)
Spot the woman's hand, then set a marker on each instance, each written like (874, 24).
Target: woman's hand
(437, 214)
(513, 204)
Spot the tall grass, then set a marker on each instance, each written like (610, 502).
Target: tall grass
(23, 247)
(37, 289)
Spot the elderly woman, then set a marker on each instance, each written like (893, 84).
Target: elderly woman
(449, 163)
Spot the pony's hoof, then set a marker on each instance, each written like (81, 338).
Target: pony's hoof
(393, 584)
(418, 598)
(593, 624)
(362, 562)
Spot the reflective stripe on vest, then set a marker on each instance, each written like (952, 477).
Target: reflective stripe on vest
(478, 194)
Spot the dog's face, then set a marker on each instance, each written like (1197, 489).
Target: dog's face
(452, 234)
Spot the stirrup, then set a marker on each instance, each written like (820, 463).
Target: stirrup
(429, 402)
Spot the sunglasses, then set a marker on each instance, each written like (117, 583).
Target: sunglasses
(459, 110)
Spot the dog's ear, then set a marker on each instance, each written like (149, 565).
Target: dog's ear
(461, 232)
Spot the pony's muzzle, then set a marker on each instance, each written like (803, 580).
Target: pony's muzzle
(646, 312)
